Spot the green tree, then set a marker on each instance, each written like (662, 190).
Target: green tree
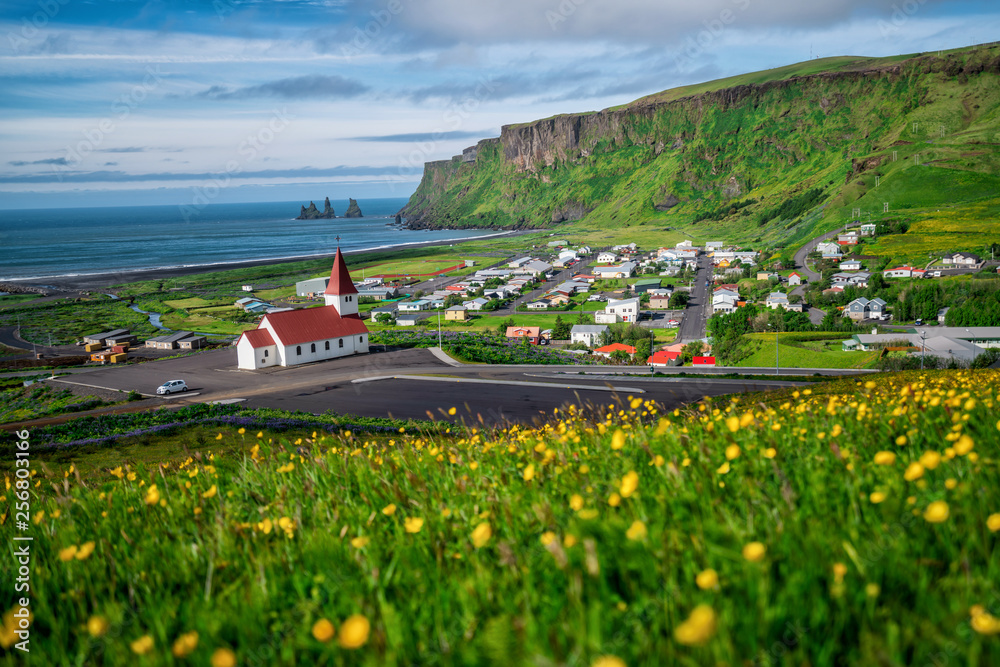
(502, 327)
(561, 329)
(691, 350)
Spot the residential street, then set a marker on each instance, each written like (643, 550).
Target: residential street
(696, 314)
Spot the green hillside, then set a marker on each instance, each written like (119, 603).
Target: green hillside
(920, 133)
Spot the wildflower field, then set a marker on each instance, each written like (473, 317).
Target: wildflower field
(853, 522)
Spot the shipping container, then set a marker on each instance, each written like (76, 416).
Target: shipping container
(93, 347)
(120, 348)
(119, 358)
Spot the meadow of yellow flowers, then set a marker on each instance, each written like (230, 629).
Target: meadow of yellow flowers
(854, 522)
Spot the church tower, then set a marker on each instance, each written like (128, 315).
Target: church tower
(340, 291)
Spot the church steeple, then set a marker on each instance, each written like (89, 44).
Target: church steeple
(340, 291)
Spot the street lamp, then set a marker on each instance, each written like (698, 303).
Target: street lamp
(923, 347)
(777, 368)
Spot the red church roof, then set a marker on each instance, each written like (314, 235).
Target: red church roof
(259, 338)
(293, 327)
(340, 278)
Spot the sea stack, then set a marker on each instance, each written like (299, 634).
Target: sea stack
(313, 213)
(353, 210)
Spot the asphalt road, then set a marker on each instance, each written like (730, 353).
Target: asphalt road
(388, 388)
(696, 314)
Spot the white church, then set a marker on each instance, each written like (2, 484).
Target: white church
(309, 334)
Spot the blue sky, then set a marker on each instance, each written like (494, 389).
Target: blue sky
(126, 102)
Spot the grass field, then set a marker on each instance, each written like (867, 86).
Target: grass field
(800, 351)
(848, 523)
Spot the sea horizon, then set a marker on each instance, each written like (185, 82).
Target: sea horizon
(132, 239)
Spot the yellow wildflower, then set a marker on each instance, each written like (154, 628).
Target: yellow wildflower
(884, 458)
(733, 424)
(481, 534)
(85, 550)
(68, 553)
(964, 445)
(993, 522)
(950, 483)
(872, 590)
(754, 552)
(142, 645)
(707, 579)
(185, 644)
(614, 500)
(354, 632)
(930, 460)
(913, 471)
(529, 472)
(223, 657)
(723, 469)
(618, 439)
(732, 452)
(770, 453)
(876, 497)
(630, 482)
(323, 630)
(936, 512)
(360, 542)
(608, 661)
(576, 502)
(699, 627)
(547, 538)
(152, 495)
(413, 524)
(97, 626)
(637, 531)
(211, 492)
(389, 509)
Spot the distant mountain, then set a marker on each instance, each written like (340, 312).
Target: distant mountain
(825, 136)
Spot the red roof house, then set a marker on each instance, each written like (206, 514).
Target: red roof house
(608, 350)
(664, 358)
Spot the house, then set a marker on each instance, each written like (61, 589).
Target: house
(714, 245)
(518, 263)
(862, 308)
(776, 300)
(171, 341)
(476, 304)
(104, 337)
(664, 358)
(850, 265)
(628, 248)
(725, 303)
(531, 334)
(703, 361)
(828, 250)
(684, 244)
(937, 345)
(310, 287)
(868, 229)
(646, 284)
(588, 334)
(535, 268)
(625, 270)
(795, 278)
(942, 314)
(607, 258)
(767, 275)
(625, 309)
(124, 338)
(309, 334)
(414, 306)
(836, 289)
(900, 272)
(246, 302)
(659, 302)
(850, 238)
(456, 314)
(556, 299)
(192, 342)
(537, 305)
(412, 319)
(608, 350)
(963, 260)
(379, 293)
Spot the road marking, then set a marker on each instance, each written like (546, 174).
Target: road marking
(513, 383)
(97, 386)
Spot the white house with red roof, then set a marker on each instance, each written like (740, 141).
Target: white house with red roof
(309, 334)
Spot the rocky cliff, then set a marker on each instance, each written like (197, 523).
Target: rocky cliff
(682, 153)
(353, 210)
(312, 213)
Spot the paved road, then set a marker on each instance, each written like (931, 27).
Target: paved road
(500, 392)
(696, 313)
(800, 256)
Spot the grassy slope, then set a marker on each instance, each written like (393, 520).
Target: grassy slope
(775, 143)
(557, 579)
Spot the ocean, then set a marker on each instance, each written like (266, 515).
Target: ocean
(39, 244)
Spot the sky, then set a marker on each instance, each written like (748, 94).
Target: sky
(122, 102)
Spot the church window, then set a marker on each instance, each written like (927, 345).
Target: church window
(266, 352)
(328, 345)
(312, 347)
(298, 349)
(341, 341)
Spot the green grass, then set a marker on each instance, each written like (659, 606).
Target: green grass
(797, 350)
(550, 545)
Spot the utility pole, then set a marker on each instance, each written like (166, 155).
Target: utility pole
(923, 347)
(777, 366)
(439, 329)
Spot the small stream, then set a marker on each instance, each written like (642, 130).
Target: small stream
(154, 319)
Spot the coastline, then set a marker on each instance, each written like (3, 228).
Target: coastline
(98, 281)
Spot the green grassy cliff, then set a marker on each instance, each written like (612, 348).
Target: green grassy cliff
(926, 126)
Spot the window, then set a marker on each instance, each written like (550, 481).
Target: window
(298, 349)
(341, 342)
(361, 339)
(327, 345)
(312, 347)
(266, 353)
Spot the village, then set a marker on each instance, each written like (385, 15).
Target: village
(623, 304)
